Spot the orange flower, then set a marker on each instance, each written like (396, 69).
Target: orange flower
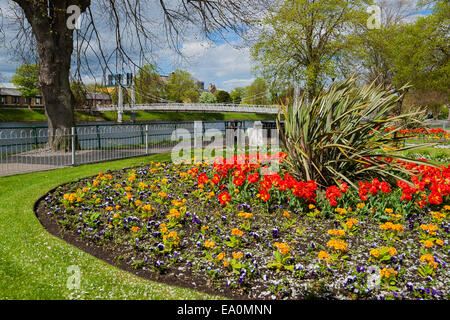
(375, 253)
(220, 256)
(282, 247)
(323, 255)
(428, 243)
(386, 273)
(245, 215)
(237, 255)
(286, 214)
(237, 232)
(430, 259)
(173, 213)
(108, 208)
(337, 244)
(336, 233)
(429, 228)
(135, 229)
(147, 208)
(210, 244)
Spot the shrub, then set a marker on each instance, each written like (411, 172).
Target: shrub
(340, 134)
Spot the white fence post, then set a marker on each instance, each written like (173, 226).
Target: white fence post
(146, 139)
(73, 145)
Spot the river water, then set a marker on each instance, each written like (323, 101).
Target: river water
(22, 136)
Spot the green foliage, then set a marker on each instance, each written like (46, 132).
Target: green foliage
(26, 80)
(222, 96)
(256, 93)
(181, 87)
(207, 97)
(340, 134)
(148, 85)
(236, 95)
(79, 94)
(420, 51)
(303, 39)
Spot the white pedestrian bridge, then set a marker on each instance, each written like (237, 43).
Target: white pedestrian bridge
(193, 107)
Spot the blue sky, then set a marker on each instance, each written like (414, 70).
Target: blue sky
(220, 63)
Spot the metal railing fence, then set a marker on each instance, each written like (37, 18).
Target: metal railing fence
(26, 149)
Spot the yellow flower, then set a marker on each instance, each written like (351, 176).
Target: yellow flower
(311, 206)
(360, 205)
(135, 229)
(138, 203)
(388, 210)
(220, 256)
(439, 242)
(108, 208)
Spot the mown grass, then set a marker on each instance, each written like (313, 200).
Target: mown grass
(24, 114)
(174, 116)
(34, 264)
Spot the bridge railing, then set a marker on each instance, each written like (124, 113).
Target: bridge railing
(200, 107)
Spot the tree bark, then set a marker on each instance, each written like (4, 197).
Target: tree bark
(54, 41)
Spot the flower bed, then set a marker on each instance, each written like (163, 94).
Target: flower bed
(422, 133)
(242, 230)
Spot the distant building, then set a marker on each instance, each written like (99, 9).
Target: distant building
(212, 88)
(95, 99)
(11, 97)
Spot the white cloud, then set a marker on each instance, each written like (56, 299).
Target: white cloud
(229, 85)
(222, 64)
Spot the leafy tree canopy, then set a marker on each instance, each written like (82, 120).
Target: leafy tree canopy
(26, 80)
(207, 97)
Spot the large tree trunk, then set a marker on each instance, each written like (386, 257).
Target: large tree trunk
(54, 41)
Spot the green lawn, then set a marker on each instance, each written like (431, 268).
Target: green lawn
(173, 116)
(23, 114)
(33, 263)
